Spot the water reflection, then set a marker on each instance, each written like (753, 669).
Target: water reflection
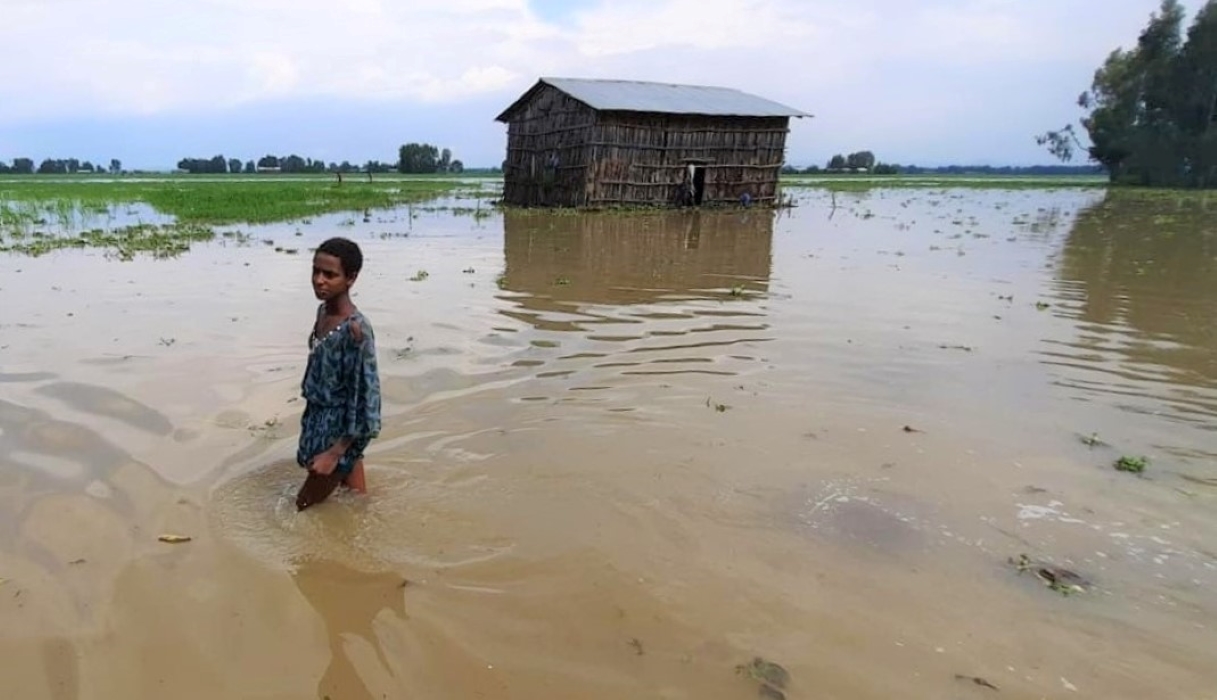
(1139, 275)
(615, 294)
(614, 258)
(350, 601)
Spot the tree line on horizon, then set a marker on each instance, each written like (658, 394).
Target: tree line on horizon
(58, 166)
(1152, 109)
(865, 163)
(413, 158)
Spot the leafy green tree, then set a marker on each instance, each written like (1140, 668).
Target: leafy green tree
(456, 167)
(413, 158)
(863, 160)
(837, 162)
(1151, 109)
(116, 166)
(234, 165)
(250, 167)
(23, 166)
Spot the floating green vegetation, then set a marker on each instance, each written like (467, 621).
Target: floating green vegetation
(1056, 578)
(164, 241)
(420, 276)
(1134, 465)
(772, 677)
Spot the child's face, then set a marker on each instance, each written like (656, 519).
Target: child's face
(329, 280)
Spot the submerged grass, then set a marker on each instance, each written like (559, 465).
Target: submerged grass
(214, 201)
(41, 216)
(164, 241)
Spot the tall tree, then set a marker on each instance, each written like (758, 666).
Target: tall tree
(1151, 108)
(416, 158)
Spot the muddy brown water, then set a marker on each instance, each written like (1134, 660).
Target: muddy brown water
(624, 454)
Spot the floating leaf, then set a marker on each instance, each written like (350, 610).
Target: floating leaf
(174, 539)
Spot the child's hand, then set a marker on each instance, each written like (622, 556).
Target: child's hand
(324, 463)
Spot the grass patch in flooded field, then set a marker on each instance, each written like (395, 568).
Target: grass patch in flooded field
(38, 217)
(214, 202)
(164, 241)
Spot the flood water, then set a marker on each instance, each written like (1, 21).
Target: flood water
(625, 453)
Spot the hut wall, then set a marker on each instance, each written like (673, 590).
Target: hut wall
(642, 158)
(547, 151)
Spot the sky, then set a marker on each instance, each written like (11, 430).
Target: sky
(925, 82)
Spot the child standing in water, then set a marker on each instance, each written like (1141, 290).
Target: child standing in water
(341, 383)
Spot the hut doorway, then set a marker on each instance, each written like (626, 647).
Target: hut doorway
(695, 182)
(699, 184)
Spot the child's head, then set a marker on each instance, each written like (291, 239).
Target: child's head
(336, 264)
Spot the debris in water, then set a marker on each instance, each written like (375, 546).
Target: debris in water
(1092, 440)
(1202, 480)
(770, 675)
(174, 539)
(977, 680)
(1059, 579)
(637, 644)
(911, 429)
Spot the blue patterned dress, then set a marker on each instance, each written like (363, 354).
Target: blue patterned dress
(341, 386)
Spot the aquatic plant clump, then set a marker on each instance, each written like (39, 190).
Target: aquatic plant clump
(1133, 465)
(125, 243)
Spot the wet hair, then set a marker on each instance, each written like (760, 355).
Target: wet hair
(347, 252)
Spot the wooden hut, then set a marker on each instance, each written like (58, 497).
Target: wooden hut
(574, 142)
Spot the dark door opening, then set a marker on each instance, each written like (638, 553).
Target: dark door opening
(699, 184)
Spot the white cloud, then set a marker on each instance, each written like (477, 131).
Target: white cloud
(891, 67)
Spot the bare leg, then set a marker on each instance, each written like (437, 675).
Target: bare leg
(316, 488)
(356, 480)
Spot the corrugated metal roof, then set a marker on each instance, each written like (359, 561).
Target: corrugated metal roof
(637, 96)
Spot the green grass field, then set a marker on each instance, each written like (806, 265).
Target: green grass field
(215, 201)
(39, 214)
